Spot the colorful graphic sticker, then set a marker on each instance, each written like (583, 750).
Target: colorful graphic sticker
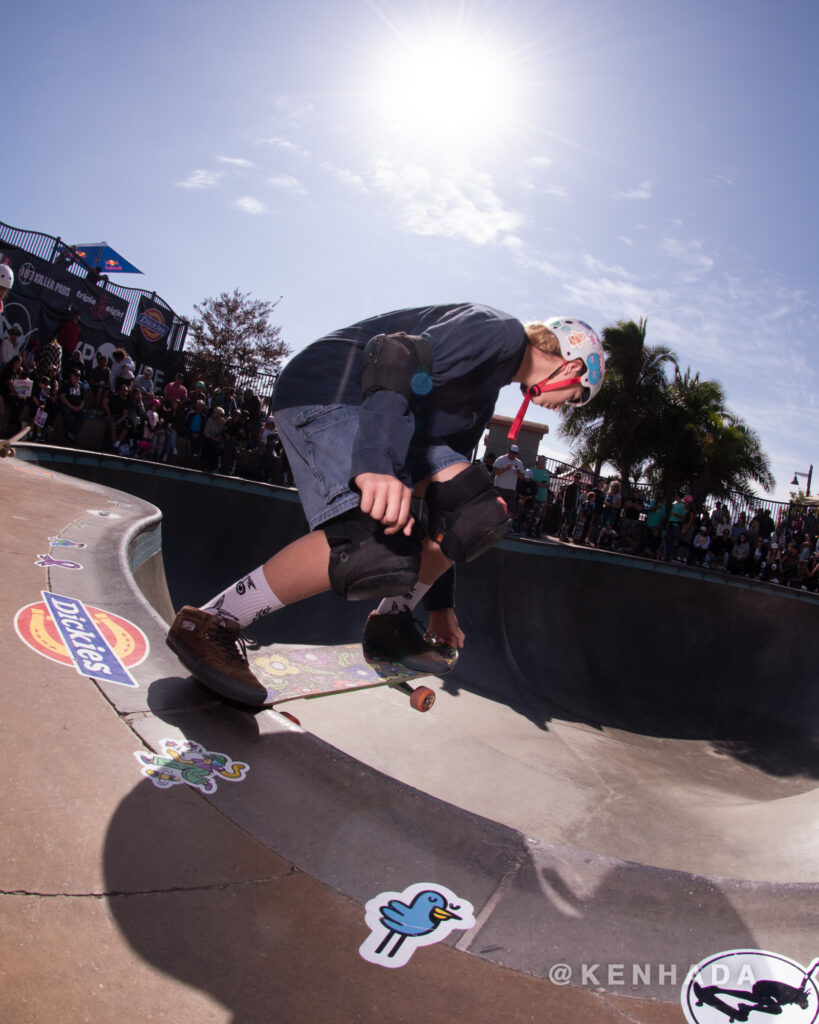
(739, 984)
(95, 642)
(47, 562)
(187, 763)
(400, 922)
(64, 542)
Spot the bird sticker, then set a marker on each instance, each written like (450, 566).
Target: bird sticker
(400, 922)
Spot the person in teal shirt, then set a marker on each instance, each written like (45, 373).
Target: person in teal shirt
(542, 477)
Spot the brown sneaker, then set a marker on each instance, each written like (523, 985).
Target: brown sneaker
(212, 648)
(398, 638)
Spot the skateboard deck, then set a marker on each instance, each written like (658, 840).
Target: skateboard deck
(6, 449)
(292, 673)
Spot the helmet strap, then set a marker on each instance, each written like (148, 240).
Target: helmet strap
(547, 384)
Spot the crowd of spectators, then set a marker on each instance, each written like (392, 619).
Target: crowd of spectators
(183, 423)
(607, 516)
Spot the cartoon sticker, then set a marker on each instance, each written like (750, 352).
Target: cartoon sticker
(95, 642)
(188, 763)
(739, 984)
(47, 562)
(64, 542)
(400, 922)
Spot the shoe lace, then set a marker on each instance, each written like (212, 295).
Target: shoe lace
(233, 644)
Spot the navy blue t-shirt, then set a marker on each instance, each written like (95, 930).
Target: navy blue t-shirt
(476, 350)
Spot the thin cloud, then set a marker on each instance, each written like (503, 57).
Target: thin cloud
(235, 161)
(457, 203)
(247, 204)
(643, 191)
(287, 183)
(286, 146)
(688, 254)
(201, 179)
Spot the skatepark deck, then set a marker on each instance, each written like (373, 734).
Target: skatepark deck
(635, 799)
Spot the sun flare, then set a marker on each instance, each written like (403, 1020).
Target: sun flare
(445, 88)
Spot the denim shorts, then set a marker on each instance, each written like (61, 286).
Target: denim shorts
(319, 439)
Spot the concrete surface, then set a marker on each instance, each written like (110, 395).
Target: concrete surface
(638, 820)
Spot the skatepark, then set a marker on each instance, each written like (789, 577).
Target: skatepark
(619, 777)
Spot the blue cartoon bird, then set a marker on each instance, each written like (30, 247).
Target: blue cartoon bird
(422, 916)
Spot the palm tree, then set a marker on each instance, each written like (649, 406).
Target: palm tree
(703, 447)
(618, 426)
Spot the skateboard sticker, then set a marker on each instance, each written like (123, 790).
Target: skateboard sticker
(47, 562)
(64, 542)
(24, 467)
(400, 922)
(741, 984)
(95, 642)
(187, 763)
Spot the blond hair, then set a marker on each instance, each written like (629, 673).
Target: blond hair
(542, 338)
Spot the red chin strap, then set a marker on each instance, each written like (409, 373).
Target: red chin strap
(538, 389)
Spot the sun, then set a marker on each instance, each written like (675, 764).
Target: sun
(445, 87)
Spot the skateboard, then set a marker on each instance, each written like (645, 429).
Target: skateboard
(292, 673)
(6, 450)
(709, 997)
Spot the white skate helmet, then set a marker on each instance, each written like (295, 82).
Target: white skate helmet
(6, 276)
(579, 341)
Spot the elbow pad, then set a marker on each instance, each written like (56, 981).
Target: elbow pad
(397, 362)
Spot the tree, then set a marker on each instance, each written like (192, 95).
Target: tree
(702, 447)
(618, 426)
(233, 332)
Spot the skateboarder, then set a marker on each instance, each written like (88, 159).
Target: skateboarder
(374, 418)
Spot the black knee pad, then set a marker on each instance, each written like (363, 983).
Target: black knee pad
(466, 514)
(365, 563)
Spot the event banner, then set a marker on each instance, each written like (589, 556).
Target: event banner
(45, 295)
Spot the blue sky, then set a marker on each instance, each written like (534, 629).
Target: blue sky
(607, 159)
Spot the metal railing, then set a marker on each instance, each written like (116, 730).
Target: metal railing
(52, 249)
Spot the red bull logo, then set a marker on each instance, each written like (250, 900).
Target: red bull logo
(152, 324)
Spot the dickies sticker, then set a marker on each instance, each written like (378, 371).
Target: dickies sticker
(95, 642)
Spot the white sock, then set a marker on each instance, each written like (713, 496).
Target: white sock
(405, 602)
(247, 599)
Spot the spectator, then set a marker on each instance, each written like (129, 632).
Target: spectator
(687, 530)
(116, 410)
(631, 529)
(49, 357)
(676, 517)
(212, 436)
(507, 470)
(150, 425)
(175, 390)
(655, 522)
(571, 503)
(39, 406)
(15, 403)
(270, 444)
(253, 407)
(122, 368)
(700, 548)
(199, 394)
(542, 478)
(585, 518)
(69, 337)
(740, 552)
(488, 461)
(526, 491)
(11, 344)
(613, 504)
(145, 381)
(99, 379)
(235, 436)
(608, 537)
(72, 405)
(759, 554)
(194, 425)
(74, 362)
